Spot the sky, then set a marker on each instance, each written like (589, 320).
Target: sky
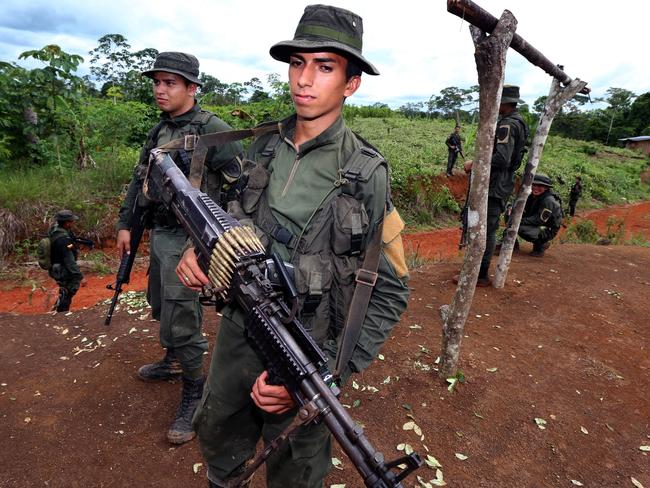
(418, 47)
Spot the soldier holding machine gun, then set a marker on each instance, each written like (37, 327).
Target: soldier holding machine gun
(175, 83)
(318, 197)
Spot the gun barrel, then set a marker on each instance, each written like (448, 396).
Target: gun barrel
(477, 16)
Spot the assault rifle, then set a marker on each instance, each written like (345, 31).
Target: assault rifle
(234, 260)
(83, 242)
(126, 262)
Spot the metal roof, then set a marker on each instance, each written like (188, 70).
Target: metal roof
(636, 139)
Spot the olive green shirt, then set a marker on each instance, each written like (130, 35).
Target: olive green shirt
(509, 142)
(300, 181)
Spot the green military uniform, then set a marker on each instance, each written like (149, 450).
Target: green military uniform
(176, 306)
(64, 270)
(454, 147)
(296, 185)
(542, 216)
(509, 141)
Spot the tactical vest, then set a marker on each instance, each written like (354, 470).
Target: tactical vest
(212, 180)
(330, 249)
(521, 147)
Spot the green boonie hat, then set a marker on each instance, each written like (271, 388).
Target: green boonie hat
(182, 64)
(510, 94)
(65, 216)
(326, 28)
(542, 180)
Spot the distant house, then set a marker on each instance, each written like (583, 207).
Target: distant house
(640, 143)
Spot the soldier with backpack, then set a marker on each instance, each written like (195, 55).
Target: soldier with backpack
(542, 215)
(319, 196)
(62, 263)
(175, 84)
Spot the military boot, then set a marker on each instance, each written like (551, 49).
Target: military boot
(538, 249)
(167, 369)
(181, 430)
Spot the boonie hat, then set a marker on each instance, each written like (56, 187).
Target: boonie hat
(542, 180)
(510, 94)
(326, 28)
(65, 216)
(182, 64)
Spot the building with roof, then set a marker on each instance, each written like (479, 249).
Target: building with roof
(640, 143)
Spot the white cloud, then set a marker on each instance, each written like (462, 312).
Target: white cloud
(417, 46)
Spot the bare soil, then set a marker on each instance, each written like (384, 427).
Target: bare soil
(565, 341)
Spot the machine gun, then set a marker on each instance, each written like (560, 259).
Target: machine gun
(234, 259)
(128, 259)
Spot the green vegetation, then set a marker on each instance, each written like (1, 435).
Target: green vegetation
(66, 143)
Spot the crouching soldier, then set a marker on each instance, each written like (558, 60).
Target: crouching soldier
(542, 215)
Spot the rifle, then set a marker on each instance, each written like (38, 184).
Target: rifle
(234, 260)
(84, 242)
(464, 211)
(126, 261)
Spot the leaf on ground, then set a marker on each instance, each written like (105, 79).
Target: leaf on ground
(381, 357)
(635, 482)
(491, 370)
(408, 425)
(196, 467)
(576, 482)
(355, 385)
(432, 462)
(415, 326)
(372, 389)
(541, 423)
(583, 430)
(400, 447)
(336, 462)
(338, 485)
(460, 456)
(417, 430)
(476, 414)
(407, 406)
(356, 403)
(645, 448)
(408, 449)
(452, 382)
(386, 380)
(424, 484)
(439, 481)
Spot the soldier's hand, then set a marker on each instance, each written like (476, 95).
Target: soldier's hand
(467, 166)
(123, 242)
(271, 398)
(189, 271)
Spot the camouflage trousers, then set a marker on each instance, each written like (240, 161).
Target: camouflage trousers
(535, 233)
(229, 425)
(68, 286)
(172, 303)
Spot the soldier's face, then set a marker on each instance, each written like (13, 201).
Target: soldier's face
(318, 85)
(173, 95)
(537, 190)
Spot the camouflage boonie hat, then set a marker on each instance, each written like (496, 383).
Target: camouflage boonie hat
(182, 64)
(327, 28)
(65, 216)
(510, 94)
(542, 180)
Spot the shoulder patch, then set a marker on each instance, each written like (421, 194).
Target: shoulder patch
(503, 134)
(393, 246)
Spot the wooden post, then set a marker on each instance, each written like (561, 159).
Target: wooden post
(557, 97)
(490, 55)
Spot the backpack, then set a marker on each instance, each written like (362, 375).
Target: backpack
(44, 253)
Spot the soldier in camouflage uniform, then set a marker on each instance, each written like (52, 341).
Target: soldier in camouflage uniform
(542, 215)
(63, 254)
(298, 200)
(175, 82)
(509, 147)
(454, 148)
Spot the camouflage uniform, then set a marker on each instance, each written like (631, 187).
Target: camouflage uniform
(509, 142)
(64, 270)
(452, 153)
(542, 216)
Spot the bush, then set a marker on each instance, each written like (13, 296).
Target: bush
(582, 232)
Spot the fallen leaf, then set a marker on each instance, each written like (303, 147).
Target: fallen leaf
(576, 482)
(540, 423)
(196, 467)
(478, 415)
(408, 426)
(491, 370)
(355, 385)
(432, 462)
(336, 462)
(645, 448)
(439, 481)
(381, 357)
(460, 456)
(636, 482)
(338, 485)
(583, 430)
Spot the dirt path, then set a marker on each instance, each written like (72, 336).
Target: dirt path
(566, 342)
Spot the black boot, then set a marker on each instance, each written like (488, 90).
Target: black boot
(64, 300)
(538, 249)
(181, 430)
(167, 369)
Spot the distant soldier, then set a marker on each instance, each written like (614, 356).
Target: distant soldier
(509, 147)
(63, 252)
(454, 147)
(574, 195)
(542, 215)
